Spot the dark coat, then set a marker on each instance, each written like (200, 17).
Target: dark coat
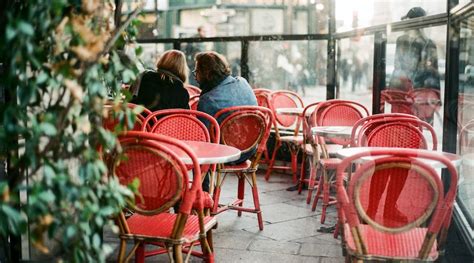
(158, 90)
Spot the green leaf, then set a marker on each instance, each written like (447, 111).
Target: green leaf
(10, 33)
(26, 28)
(48, 129)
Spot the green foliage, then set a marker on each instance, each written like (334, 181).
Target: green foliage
(60, 70)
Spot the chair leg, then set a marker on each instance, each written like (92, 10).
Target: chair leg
(178, 253)
(241, 191)
(217, 193)
(256, 201)
(206, 246)
(294, 162)
(272, 161)
(122, 248)
(302, 173)
(326, 189)
(318, 192)
(140, 253)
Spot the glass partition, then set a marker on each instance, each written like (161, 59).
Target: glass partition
(354, 14)
(465, 106)
(299, 66)
(355, 69)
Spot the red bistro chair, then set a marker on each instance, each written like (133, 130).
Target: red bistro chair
(285, 124)
(185, 124)
(404, 225)
(193, 102)
(262, 96)
(333, 113)
(164, 183)
(192, 90)
(398, 132)
(246, 128)
(356, 129)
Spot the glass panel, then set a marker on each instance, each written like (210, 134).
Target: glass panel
(415, 68)
(234, 18)
(354, 69)
(150, 53)
(231, 50)
(466, 118)
(299, 66)
(353, 14)
(455, 3)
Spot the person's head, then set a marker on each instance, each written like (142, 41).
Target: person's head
(201, 31)
(174, 61)
(210, 68)
(414, 13)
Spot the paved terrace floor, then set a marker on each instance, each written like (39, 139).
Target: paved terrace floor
(291, 230)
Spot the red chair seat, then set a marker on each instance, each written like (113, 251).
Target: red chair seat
(159, 227)
(384, 245)
(241, 167)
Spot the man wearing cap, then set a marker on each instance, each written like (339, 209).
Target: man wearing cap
(416, 59)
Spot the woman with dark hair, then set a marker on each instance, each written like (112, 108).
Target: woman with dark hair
(163, 88)
(219, 90)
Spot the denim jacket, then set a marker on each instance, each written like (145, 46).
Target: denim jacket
(232, 91)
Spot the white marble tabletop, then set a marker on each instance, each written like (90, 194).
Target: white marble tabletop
(341, 132)
(211, 153)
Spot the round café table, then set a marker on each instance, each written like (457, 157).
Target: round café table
(346, 152)
(290, 111)
(210, 153)
(333, 132)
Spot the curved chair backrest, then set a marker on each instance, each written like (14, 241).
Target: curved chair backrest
(184, 124)
(308, 113)
(192, 90)
(262, 96)
(246, 127)
(285, 99)
(400, 101)
(113, 119)
(193, 102)
(156, 161)
(356, 129)
(397, 132)
(417, 193)
(339, 113)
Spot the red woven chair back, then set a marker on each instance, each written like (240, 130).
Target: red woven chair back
(262, 96)
(245, 127)
(155, 160)
(285, 99)
(339, 113)
(397, 132)
(415, 198)
(193, 102)
(113, 118)
(192, 90)
(184, 125)
(356, 129)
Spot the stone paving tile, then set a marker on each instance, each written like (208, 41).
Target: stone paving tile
(290, 230)
(238, 239)
(283, 212)
(232, 255)
(275, 247)
(228, 221)
(325, 250)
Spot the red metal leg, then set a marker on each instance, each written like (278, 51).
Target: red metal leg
(272, 161)
(302, 173)
(140, 254)
(241, 191)
(318, 192)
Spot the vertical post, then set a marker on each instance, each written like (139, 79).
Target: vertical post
(379, 74)
(244, 60)
(451, 90)
(118, 12)
(177, 45)
(331, 63)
